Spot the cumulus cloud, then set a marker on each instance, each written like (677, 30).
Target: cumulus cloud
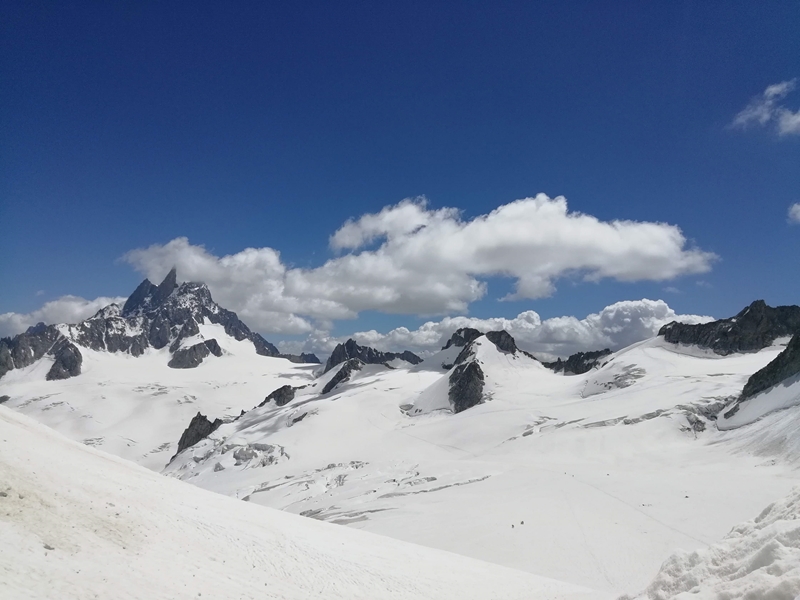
(67, 309)
(766, 110)
(616, 326)
(410, 259)
(794, 213)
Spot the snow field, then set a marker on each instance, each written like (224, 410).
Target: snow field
(77, 523)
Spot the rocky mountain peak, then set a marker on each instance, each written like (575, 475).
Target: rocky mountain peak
(148, 297)
(153, 317)
(462, 337)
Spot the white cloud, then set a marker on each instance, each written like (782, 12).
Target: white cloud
(794, 213)
(409, 259)
(766, 109)
(67, 309)
(615, 327)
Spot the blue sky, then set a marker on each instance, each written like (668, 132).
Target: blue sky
(269, 125)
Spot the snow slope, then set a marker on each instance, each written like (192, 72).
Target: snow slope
(591, 479)
(137, 407)
(784, 395)
(757, 560)
(78, 523)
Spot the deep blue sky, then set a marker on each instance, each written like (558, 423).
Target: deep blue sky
(269, 124)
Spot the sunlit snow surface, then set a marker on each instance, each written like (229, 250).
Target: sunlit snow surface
(757, 560)
(593, 479)
(76, 523)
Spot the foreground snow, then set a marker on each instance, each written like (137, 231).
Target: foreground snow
(757, 560)
(77, 523)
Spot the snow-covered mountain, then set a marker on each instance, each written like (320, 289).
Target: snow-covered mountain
(168, 315)
(592, 478)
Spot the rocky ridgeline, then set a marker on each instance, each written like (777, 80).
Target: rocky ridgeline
(154, 316)
(754, 328)
(370, 356)
(578, 363)
(462, 337)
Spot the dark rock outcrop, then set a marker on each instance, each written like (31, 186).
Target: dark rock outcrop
(68, 360)
(4, 399)
(783, 366)
(199, 428)
(345, 371)
(753, 329)
(466, 386)
(462, 337)
(350, 349)
(503, 340)
(578, 363)
(282, 396)
(189, 358)
(213, 347)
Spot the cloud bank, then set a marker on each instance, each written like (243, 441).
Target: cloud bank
(616, 326)
(767, 110)
(410, 259)
(67, 309)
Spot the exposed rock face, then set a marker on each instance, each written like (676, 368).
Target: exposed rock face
(68, 360)
(199, 428)
(350, 349)
(189, 358)
(154, 316)
(282, 396)
(4, 399)
(462, 337)
(783, 366)
(466, 386)
(578, 363)
(754, 328)
(345, 371)
(503, 340)
(28, 347)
